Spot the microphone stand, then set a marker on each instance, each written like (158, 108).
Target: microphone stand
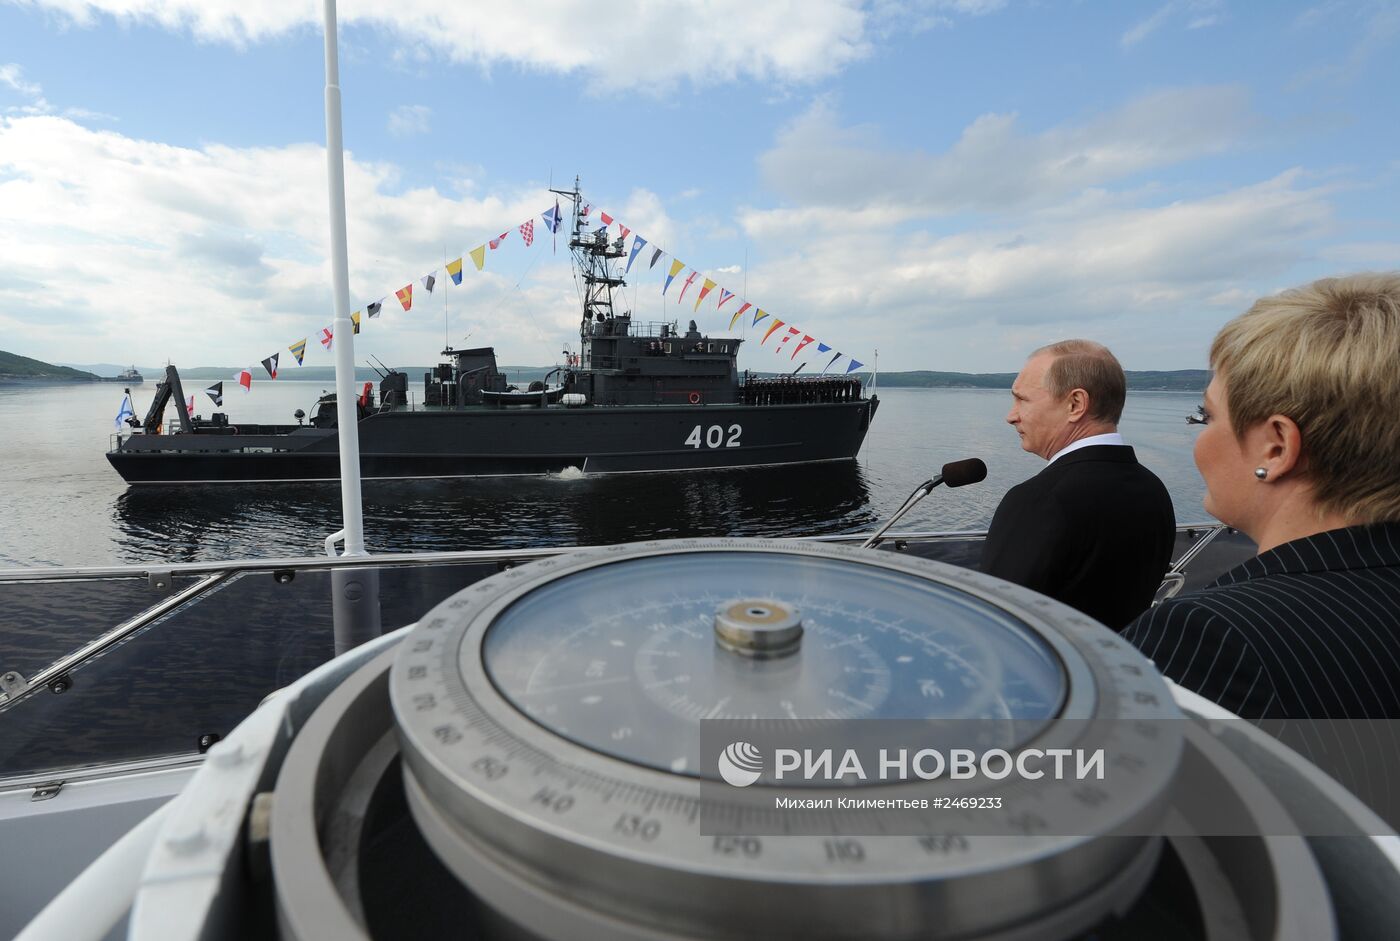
(921, 491)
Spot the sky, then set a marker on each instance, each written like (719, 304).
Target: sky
(944, 184)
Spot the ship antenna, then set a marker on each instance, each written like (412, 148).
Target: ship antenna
(579, 250)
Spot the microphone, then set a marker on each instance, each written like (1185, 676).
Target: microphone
(961, 473)
(954, 474)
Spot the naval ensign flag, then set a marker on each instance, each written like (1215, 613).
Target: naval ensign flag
(124, 413)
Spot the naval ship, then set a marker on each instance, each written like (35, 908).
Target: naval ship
(637, 397)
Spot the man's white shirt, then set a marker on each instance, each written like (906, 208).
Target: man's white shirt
(1112, 437)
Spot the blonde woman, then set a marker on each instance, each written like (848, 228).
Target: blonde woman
(1301, 452)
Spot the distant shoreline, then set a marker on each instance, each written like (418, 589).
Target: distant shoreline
(1181, 380)
(1173, 380)
(15, 368)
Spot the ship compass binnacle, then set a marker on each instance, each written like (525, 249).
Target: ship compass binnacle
(550, 742)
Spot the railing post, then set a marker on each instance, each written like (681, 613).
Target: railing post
(355, 607)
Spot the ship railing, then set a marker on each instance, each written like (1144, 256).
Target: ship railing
(798, 390)
(654, 329)
(110, 665)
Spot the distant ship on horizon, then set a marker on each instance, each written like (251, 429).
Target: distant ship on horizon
(131, 377)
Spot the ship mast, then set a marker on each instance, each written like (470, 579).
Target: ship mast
(594, 255)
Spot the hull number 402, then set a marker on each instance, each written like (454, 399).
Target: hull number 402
(715, 436)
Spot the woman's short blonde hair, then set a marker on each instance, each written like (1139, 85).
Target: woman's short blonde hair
(1326, 355)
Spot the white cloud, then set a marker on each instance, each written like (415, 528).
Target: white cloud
(12, 76)
(406, 120)
(217, 255)
(994, 164)
(1142, 30)
(1200, 14)
(618, 44)
(1315, 16)
(1379, 26)
(643, 211)
(1232, 298)
(1134, 273)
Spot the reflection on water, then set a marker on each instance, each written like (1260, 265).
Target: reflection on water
(238, 521)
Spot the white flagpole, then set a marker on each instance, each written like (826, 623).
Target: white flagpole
(347, 415)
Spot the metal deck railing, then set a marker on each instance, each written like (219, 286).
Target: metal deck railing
(129, 663)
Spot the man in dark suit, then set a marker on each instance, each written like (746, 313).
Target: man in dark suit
(1095, 528)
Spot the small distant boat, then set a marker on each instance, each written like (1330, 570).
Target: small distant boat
(128, 376)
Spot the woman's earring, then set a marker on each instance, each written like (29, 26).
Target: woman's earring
(1261, 473)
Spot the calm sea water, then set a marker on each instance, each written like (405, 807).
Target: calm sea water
(62, 504)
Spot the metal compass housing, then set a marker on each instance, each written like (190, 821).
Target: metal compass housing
(549, 722)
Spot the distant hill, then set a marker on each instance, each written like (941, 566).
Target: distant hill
(111, 370)
(13, 366)
(1172, 380)
(1175, 380)
(927, 379)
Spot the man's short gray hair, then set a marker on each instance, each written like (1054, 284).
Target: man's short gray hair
(1084, 364)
